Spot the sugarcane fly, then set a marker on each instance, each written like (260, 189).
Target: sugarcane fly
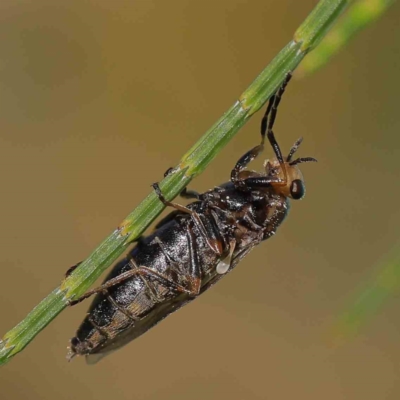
(193, 247)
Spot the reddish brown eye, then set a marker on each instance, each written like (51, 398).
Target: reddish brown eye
(297, 189)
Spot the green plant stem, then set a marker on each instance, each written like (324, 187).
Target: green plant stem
(368, 299)
(358, 16)
(192, 164)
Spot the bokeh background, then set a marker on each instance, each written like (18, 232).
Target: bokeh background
(98, 98)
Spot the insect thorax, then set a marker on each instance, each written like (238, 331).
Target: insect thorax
(247, 212)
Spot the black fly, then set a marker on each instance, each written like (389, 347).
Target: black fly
(193, 247)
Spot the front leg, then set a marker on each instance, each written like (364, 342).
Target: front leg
(262, 182)
(267, 124)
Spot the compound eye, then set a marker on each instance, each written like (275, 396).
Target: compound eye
(297, 189)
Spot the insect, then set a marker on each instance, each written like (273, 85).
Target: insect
(193, 247)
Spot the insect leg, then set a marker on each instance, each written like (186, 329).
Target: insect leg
(110, 283)
(170, 259)
(267, 124)
(193, 273)
(143, 271)
(149, 285)
(270, 133)
(70, 270)
(215, 245)
(167, 203)
(168, 172)
(163, 280)
(119, 307)
(189, 194)
(186, 194)
(260, 182)
(194, 264)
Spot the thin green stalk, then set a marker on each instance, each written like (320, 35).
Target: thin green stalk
(358, 16)
(192, 164)
(368, 299)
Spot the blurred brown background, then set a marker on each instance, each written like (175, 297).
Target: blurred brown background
(98, 98)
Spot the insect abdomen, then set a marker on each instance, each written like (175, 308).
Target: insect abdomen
(127, 305)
